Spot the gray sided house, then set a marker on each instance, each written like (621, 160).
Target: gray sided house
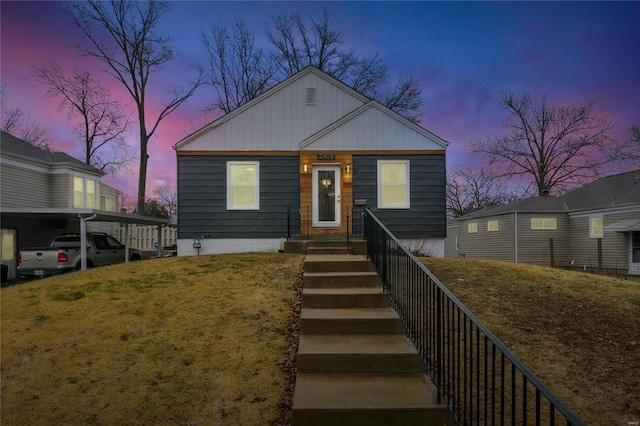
(564, 231)
(45, 193)
(312, 146)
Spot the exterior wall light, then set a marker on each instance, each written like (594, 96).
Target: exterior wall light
(348, 169)
(305, 168)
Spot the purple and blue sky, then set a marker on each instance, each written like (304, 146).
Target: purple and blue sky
(463, 53)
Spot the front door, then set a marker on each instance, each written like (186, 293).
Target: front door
(326, 196)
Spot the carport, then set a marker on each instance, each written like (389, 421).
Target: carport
(84, 215)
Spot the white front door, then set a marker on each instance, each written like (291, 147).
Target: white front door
(326, 196)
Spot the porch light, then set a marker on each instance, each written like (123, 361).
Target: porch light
(348, 169)
(305, 168)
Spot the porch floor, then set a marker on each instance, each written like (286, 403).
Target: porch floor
(325, 246)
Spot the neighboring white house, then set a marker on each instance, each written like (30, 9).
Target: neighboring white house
(564, 230)
(46, 193)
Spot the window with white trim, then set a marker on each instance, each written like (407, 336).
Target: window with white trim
(84, 192)
(595, 227)
(472, 227)
(393, 184)
(108, 203)
(91, 193)
(493, 226)
(544, 223)
(243, 185)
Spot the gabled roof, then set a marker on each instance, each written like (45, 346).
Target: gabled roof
(302, 128)
(528, 205)
(373, 105)
(20, 149)
(619, 190)
(270, 92)
(607, 192)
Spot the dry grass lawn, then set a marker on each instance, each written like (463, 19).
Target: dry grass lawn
(202, 340)
(578, 332)
(174, 341)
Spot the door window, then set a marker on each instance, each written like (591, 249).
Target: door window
(326, 196)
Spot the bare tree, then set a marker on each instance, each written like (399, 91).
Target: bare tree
(99, 120)
(405, 98)
(628, 148)
(299, 43)
(14, 122)
(634, 145)
(123, 36)
(469, 190)
(557, 147)
(168, 196)
(126, 202)
(238, 69)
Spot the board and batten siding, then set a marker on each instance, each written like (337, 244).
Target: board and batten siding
(24, 187)
(494, 245)
(279, 121)
(374, 128)
(615, 245)
(427, 216)
(202, 198)
(534, 244)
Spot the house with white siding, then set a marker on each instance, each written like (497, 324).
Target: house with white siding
(600, 220)
(47, 193)
(313, 146)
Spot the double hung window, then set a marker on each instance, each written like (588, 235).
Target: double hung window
(84, 192)
(243, 185)
(393, 184)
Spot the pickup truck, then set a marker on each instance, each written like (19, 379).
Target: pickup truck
(63, 255)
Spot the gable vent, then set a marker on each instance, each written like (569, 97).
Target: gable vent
(311, 96)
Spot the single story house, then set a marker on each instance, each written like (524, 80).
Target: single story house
(566, 231)
(316, 147)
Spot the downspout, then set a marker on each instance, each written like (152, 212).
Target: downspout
(515, 237)
(159, 248)
(83, 240)
(126, 242)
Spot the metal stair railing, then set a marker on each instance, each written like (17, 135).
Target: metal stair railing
(299, 222)
(477, 377)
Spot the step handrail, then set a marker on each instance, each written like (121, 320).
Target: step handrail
(443, 331)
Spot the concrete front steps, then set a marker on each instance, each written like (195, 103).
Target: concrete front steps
(354, 364)
(325, 246)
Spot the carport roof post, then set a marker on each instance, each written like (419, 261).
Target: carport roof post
(83, 240)
(103, 216)
(84, 215)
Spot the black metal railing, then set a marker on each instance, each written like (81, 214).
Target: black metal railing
(477, 377)
(299, 222)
